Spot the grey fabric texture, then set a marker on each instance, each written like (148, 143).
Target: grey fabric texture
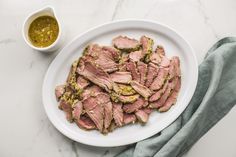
(213, 98)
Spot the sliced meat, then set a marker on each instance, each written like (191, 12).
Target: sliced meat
(151, 74)
(160, 50)
(158, 94)
(124, 99)
(131, 66)
(174, 69)
(142, 90)
(173, 97)
(169, 102)
(95, 74)
(107, 114)
(135, 56)
(142, 116)
(77, 110)
(59, 91)
(160, 79)
(147, 44)
(162, 100)
(142, 69)
(101, 57)
(178, 85)
(147, 110)
(85, 123)
(125, 44)
(122, 89)
(112, 127)
(91, 91)
(121, 77)
(155, 58)
(129, 118)
(66, 107)
(165, 62)
(118, 113)
(82, 82)
(115, 53)
(122, 62)
(94, 107)
(132, 107)
(72, 74)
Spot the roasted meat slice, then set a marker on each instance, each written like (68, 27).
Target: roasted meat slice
(151, 74)
(142, 69)
(85, 123)
(147, 44)
(124, 99)
(59, 91)
(118, 114)
(142, 116)
(141, 89)
(169, 102)
(95, 74)
(131, 66)
(91, 91)
(158, 94)
(162, 100)
(121, 77)
(107, 115)
(82, 82)
(115, 53)
(129, 118)
(103, 57)
(77, 110)
(135, 56)
(66, 107)
(124, 43)
(132, 107)
(160, 79)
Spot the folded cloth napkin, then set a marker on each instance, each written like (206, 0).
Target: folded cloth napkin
(214, 96)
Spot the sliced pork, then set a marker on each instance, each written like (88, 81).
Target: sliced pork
(160, 79)
(77, 110)
(131, 66)
(131, 107)
(85, 123)
(142, 69)
(95, 74)
(142, 116)
(125, 44)
(121, 77)
(147, 44)
(129, 118)
(82, 82)
(59, 91)
(141, 89)
(118, 114)
(124, 99)
(136, 56)
(151, 74)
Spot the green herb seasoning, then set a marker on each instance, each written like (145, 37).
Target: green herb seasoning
(43, 31)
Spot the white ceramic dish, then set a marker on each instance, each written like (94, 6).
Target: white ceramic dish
(45, 11)
(173, 43)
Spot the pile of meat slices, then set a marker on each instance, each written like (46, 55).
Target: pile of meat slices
(112, 86)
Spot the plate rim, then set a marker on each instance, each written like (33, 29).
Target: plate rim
(100, 144)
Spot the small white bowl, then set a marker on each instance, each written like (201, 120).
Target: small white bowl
(46, 11)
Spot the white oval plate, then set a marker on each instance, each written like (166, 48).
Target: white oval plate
(173, 43)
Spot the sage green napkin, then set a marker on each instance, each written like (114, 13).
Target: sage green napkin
(215, 95)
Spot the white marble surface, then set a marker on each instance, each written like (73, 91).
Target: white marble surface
(26, 131)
